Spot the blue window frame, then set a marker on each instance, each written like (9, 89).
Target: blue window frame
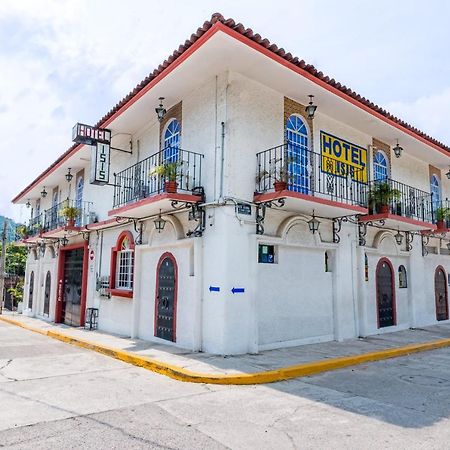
(172, 141)
(297, 154)
(380, 166)
(79, 200)
(436, 191)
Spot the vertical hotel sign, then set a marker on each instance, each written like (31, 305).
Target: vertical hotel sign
(99, 139)
(341, 158)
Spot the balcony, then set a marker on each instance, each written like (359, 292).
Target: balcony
(141, 190)
(310, 181)
(55, 223)
(400, 206)
(34, 228)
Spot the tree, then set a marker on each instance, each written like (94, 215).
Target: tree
(17, 292)
(16, 258)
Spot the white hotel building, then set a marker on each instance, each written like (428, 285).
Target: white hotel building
(288, 225)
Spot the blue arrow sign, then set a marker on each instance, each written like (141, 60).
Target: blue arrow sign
(237, 290)
(214, 289)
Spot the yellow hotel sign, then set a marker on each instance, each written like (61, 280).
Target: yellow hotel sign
(342, 158)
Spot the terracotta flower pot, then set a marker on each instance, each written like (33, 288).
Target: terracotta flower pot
(440, 225)
(170, 187)
(71, 222)
(279, 186)
(384, 209)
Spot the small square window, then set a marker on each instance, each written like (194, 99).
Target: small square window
(266, 254)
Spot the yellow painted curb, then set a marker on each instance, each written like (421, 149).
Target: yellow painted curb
(270, 376)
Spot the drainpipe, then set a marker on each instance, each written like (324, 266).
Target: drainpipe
(222, 159)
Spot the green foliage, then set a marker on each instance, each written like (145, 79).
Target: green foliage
(383, 194)
(17, 292)
(442, 213)
(69, 212)
(168, 171)
(16, 258)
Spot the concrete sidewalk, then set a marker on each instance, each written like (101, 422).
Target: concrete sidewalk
(267, 366)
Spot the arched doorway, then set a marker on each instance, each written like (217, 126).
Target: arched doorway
(48, 279)
(166, 298)
(385, 289)
(440, 294)
(30, 291)
(297, 154)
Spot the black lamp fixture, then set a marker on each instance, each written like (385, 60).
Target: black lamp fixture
(398, 237)
(64, 241)
(160, 223)
(311, 108)
(28, 203)
(313, 224)
(398, 150)
(160, 110)
(68, 175)
(41, 247)
(448, 174)
(448, 245)
(43, 193)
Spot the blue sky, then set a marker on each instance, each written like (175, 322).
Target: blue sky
(68, 61)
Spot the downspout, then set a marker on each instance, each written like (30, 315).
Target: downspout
(222, 159)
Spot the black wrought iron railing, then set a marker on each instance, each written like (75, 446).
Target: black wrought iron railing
(35, 225)
(54, 217)
(400, 199)
(310, 173)
(441, 212)
(148, 177)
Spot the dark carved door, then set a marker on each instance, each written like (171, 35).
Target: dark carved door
(385, 294)
(30, 292)
(47, 293)
(440, 294)
(165, 300)
(73, 274)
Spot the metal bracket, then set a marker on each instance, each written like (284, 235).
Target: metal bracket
(425, 241)
(197, 213)
(409, 238)
(261, 212)
(139, 231)
(85, 235)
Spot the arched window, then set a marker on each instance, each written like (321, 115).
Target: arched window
(122, 266)
(435, 191)
(48, 282)
(30, 291)
(366, 267)
(172, 141)
(402, 278)
(380, 166)
(297, 154)
(79, 200)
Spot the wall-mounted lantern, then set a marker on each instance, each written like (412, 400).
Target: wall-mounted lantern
(448, 174)
(43, 193)
(160, 110)
(313, 224)
(160, 223)
(28, 203)
(398, 150)
(398, 237)
(311, 108)
(68, 175)
(64, 241)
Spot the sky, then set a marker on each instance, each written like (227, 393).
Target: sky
(68, 61)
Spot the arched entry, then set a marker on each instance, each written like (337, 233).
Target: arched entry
(31, 290)
(48, 279)
(385, 289)
(440, 294)
(166, 298)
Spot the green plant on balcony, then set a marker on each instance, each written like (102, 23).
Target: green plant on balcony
(442, 214)
(278, 172)
(381, 195)
(70, 213)
(22, 232)
(168, 171)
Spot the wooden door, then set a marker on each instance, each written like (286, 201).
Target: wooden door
(385, 294)
(440, 294)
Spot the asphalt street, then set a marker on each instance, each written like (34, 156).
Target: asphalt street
(57, 396)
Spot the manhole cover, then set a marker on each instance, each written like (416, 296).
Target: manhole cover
(425, 380)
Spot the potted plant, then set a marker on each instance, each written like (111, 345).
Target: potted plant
(169, 172)
(381, 195)
(39, 228)
(22, 232)
(70, 213)
(279, 172)
(442, 214)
